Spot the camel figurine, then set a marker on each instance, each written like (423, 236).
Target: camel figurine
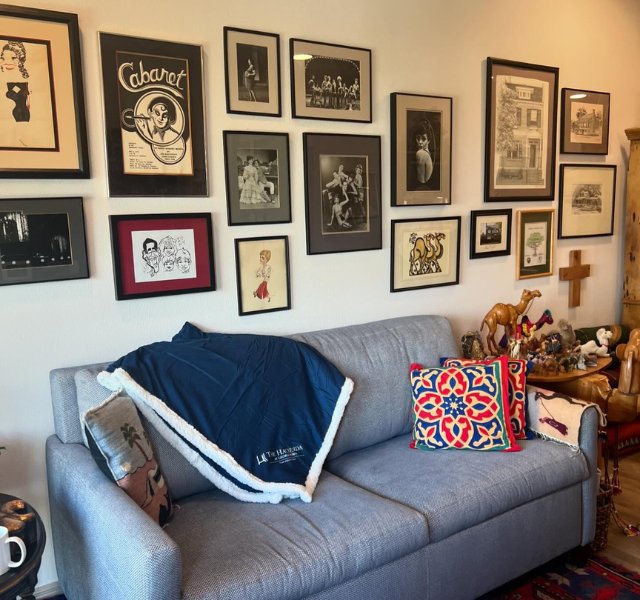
(507, 316)
(526, 328)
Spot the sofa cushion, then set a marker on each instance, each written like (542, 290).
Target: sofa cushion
(456, 490)
(235, 550)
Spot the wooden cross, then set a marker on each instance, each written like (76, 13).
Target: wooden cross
(574, 273)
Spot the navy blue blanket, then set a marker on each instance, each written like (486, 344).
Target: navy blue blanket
(255, 414)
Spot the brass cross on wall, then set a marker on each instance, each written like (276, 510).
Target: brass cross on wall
(574, 273)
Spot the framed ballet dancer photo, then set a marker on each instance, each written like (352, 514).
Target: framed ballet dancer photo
(42, 113)
(154, 117)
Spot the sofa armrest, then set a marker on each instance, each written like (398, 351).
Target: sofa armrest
(106, 547)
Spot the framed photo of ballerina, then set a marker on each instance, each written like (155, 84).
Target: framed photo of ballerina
(257, 177)
(262, 273)
(42, 115)
(420, 150)
(252, 72)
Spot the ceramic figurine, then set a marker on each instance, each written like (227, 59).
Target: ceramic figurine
(599, 348)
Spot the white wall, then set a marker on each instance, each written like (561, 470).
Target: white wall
(422, 46)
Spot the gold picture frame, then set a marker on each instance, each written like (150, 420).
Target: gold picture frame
(534, 243)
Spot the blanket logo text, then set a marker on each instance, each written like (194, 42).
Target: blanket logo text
(279, 456)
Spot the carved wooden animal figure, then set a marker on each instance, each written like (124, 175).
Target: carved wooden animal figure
(507, 316)
(629, 355)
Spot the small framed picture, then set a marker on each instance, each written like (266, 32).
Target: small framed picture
(490, 233)
(420, 150)
(262, 272)
(257, 177)
(342, 192)
(584, 117)
(534, 243)
(587, 200)
(520, 143)
(161, 255)
(425, 253)
(330, 82)
(42, 239)
(42, 127)
(252, 72)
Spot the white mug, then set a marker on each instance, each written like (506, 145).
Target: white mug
(5, 554)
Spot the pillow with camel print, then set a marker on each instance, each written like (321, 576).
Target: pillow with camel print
(121, 448)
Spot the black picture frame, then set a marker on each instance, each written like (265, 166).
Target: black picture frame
(154, 117)
(342, 170)
(48, 133)
(42, 239)
(264, 196)
(520, 132)
(584, 118)
(490, 233)
(252, 72)
(534, 242)
(310, 61)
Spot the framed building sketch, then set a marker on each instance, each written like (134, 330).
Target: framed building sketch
(584, 118)
(330, 81)
(342, 192)
(420, 150)
(534, 243)
(490, 233)
(42, 239)
(42, 116)
(257, 177)
(587, 200)
(262, 271)
(424, 253)
(520, 134)
(160, 255)
(252, 72)
(154, 117)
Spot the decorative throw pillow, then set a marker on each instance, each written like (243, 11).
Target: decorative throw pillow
(120, 447)
(517, 378)
(462, 407)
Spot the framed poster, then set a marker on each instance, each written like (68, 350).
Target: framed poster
(425, 253)
(587, 200)
(161, 255)
(342, 192)
(154, 117)
(42, 117)
(262, 272)
(329, 81)
(42, 239)
(420, 150)
(490, 233)
(534, 243)
(584, 118)
(520, 133)
(257, 177)
(252, 72)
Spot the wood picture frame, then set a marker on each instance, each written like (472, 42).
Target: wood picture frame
(490, 233)
(584, 119)
(43, 133)
(520, 132)
(534, 243)
(162, 254)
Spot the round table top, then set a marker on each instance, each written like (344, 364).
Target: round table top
(602, 363)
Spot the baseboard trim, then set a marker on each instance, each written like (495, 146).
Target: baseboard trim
(48, 590)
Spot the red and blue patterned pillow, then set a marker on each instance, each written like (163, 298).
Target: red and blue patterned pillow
(463, 407)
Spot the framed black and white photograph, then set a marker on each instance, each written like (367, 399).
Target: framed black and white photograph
(42, 239)
(425, 253)
(252, 72)
(584, 118)
(257, 177)
(329, 81)
(262, 273)
(342, 192)
(42, 114)
(154, 117)
(520, 142)
(587, 200)
(490, 233)
(420, 150)
(534, 243)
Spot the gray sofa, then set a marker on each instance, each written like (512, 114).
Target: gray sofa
(386, 521)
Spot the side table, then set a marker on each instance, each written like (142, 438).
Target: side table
(21, 581)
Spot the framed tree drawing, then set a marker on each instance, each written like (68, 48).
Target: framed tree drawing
(490, 233)
(534, 243)
(520, 133)
(252, 72)
(584, 118)
(154, 117)
(42, 117)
